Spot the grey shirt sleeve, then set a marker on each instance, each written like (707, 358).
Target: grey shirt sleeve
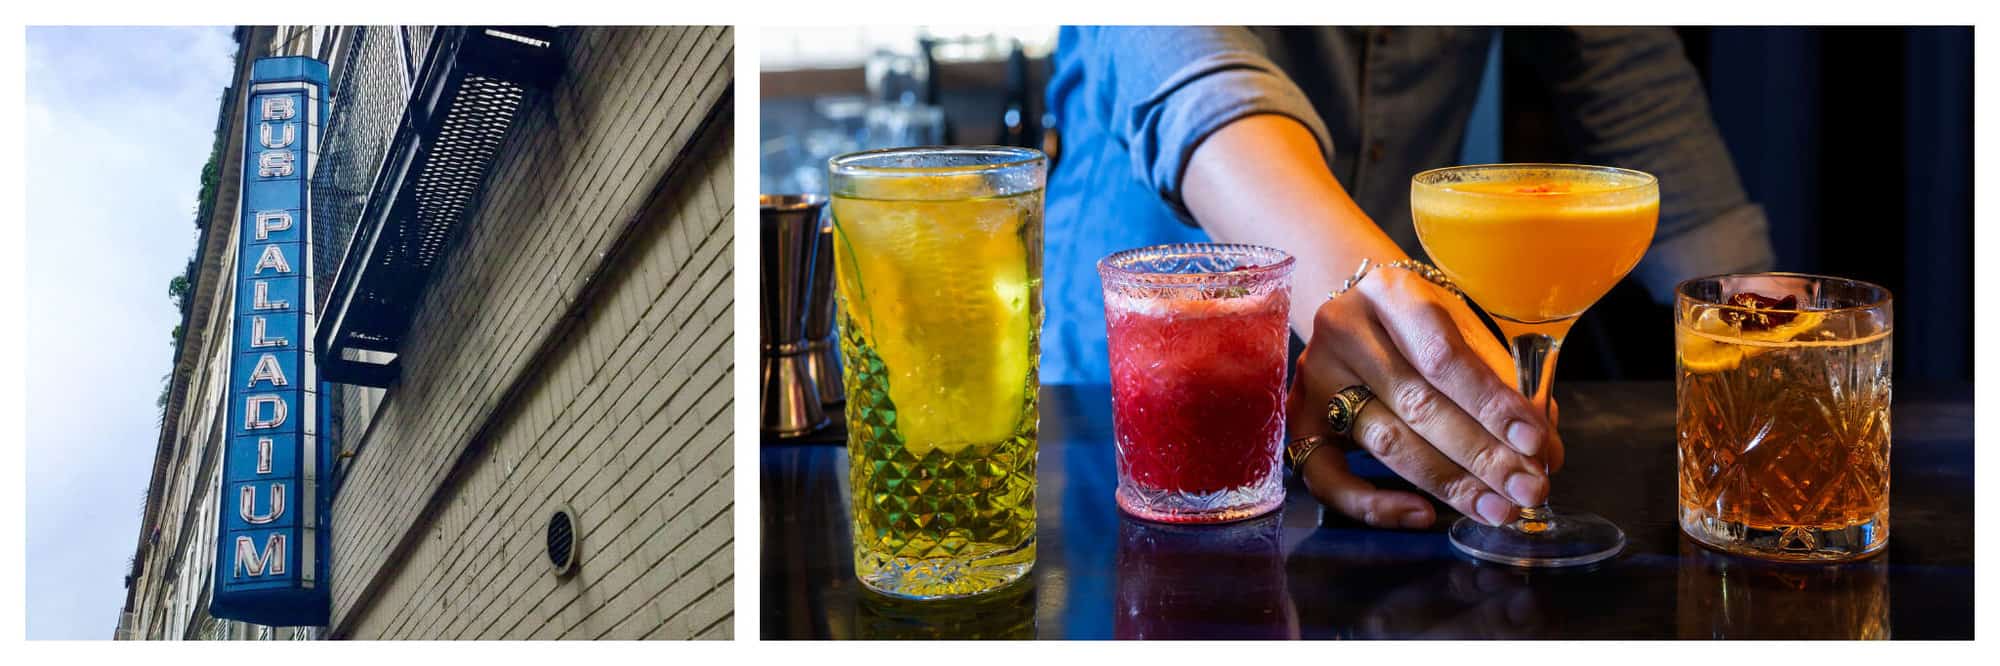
(1629, 97)
(1164, 90)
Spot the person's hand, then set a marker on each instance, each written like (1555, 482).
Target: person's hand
(1445, 415)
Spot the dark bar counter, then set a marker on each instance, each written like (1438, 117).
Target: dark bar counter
(1306, 573)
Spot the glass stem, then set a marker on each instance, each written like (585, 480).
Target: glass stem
(1535, 365)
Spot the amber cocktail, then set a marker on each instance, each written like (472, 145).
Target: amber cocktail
(1784, 414)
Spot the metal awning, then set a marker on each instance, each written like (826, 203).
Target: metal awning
(468, 93)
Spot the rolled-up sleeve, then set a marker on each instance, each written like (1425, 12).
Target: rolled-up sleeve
(1159, 92)
(1629, 97)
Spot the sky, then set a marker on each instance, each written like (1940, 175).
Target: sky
(118, 124)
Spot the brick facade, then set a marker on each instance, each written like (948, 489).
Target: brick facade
(573, 349)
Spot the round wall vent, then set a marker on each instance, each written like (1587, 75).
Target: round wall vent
(562, 536)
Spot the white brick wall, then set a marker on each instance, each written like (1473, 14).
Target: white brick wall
(504, 408)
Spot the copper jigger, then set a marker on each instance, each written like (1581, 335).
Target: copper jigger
(789, 229)
(821, 361)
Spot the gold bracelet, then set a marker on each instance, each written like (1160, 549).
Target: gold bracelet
(1423, 270)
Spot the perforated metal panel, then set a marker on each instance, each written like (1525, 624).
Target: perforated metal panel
(419, 37)
(461, 153)
(471, 86)
(369, 89)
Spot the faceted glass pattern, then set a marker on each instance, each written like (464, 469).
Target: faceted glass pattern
(1784, 421)
(1197, 337)
(941, 523)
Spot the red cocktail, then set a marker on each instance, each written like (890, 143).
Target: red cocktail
(1197, 340)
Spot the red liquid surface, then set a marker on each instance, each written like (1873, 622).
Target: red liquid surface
(1197, 390)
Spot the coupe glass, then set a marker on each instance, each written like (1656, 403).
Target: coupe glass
(1535, 245)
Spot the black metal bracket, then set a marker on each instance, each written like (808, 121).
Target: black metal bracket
(469, 93)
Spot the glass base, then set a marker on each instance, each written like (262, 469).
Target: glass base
(1005, 613)
(1167, 506)
(943, 577)
(1565, 538)
(1788, 543)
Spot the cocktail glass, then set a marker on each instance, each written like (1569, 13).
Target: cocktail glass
(1535, 245)
(1197, 340)
(1783, 415)
(938, 268)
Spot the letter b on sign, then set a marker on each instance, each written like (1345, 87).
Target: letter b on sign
(279, 107)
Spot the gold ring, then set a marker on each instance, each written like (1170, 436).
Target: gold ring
(1297, 450)
(1344, 408)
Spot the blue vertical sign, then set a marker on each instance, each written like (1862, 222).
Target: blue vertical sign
(271, 552)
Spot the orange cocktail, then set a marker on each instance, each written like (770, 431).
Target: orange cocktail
(1532, 244)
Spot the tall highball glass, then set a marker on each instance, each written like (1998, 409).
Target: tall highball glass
(938, 268)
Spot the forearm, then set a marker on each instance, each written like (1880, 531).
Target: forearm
(1159, 92)
(1261, 180)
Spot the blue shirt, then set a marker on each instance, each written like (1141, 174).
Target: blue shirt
(1132, 104)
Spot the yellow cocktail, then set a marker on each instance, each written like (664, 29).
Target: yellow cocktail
(938, 265)
(1535, 245)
